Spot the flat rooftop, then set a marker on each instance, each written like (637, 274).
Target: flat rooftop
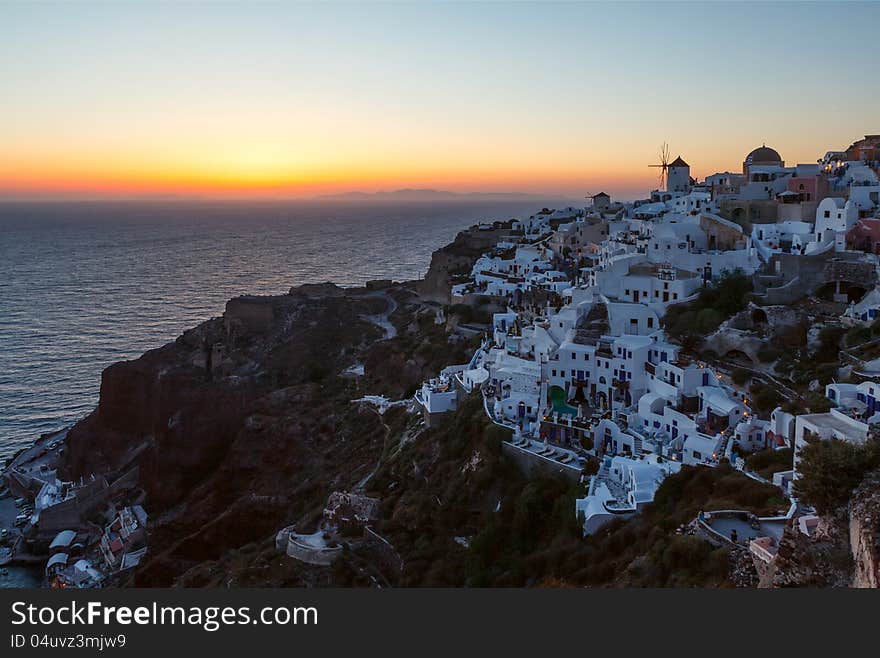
(831, 421)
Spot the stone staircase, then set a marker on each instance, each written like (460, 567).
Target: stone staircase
(637, 446)
(721, 450)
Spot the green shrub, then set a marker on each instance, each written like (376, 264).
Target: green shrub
(767, 462)
(716, 302)
(740, 376)
(831, 469)
(817, 403)
(826, 372)
(767, 354)
(830, 339)
(764, 398)
(857, 335)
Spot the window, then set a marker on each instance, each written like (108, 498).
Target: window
(554, 372)
(827, 213)
(697, 455)
(650, 323)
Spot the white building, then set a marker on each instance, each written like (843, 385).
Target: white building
(834, 217)
(622, 488)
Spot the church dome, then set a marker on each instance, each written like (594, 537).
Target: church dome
(764, 154)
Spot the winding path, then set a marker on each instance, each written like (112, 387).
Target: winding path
(381, 320)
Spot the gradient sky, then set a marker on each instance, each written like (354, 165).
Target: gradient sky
(291, 99)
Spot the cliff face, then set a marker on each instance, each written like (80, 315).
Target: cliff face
(457, 258)
(864, 532)
(240, 426)
(822, 560)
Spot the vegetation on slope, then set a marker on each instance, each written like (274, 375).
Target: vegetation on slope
(459, 513)
(831, 470)
(769, 461)
(716, 302)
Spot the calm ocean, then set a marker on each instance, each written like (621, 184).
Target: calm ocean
(83, 285)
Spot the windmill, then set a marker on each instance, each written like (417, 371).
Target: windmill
(664, 164)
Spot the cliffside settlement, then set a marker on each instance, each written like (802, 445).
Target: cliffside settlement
(613, 346)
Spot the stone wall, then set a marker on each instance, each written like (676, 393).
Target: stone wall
(532, 465)
(312, 555)
(747, 213)
(721, 234)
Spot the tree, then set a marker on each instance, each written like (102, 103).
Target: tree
(728, 294)
(717, 301)
(831, 469)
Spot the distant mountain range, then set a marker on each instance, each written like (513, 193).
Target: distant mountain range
(410, 194)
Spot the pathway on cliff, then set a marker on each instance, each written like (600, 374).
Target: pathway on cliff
(381, 320)
(359, 487)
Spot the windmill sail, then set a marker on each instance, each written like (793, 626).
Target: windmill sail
(664, 164)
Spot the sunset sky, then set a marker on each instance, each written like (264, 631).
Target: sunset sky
(123, 100)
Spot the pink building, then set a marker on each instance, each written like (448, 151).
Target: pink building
(810, 189)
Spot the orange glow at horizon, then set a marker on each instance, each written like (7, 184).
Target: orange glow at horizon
(255, 174)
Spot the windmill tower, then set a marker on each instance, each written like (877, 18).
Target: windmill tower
(678, 176)
(675, 176)
(600, 201)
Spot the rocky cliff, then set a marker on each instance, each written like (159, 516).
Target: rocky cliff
(457, 258)
(245, 423)
(842, 551)
(864, 532)
(239, 426)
